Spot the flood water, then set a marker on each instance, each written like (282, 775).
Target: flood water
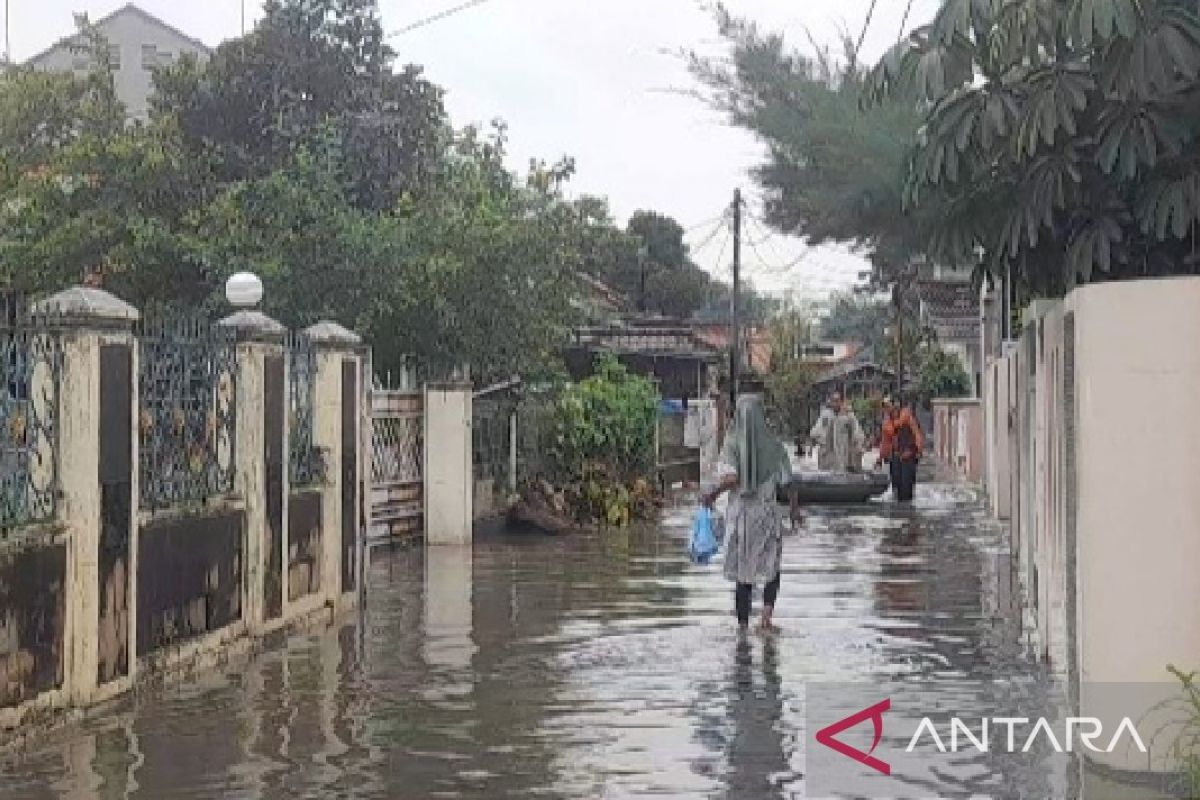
(568, 667)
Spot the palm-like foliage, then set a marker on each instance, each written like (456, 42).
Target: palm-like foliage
(1060, 137)
(833, 171)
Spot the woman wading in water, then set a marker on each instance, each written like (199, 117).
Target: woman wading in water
(752, 466)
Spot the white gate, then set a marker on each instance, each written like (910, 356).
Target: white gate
(397, 452)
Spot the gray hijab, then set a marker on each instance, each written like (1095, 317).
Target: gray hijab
(758, 453)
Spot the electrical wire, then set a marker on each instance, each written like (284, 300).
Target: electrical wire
(712, 235)
(778, 268)
(765, 262)
(441, 15)
(718, 218)
(719, 270)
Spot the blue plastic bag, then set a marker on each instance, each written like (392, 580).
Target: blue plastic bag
(703, 544)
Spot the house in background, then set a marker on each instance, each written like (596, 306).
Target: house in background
(949, 305)
(138, 43)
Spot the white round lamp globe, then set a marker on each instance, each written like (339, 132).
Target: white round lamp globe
(243, 290)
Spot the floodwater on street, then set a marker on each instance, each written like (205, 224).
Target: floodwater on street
(590, 666)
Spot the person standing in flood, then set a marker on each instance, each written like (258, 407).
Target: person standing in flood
(847, 439)
(901, 446)
(821, 434)
(753, 463)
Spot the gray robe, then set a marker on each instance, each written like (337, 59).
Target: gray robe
(753, 526)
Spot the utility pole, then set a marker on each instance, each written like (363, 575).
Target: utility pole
(7, 32)
(243, 17)
(898, 302)
(735, 327)
(899, 344)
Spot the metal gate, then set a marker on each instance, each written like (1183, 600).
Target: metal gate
(397, 456)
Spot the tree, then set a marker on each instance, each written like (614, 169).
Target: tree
(1058, 139)
(834, 171)
(942, 375)
(790, 380)
(84, 196)
(309, 63)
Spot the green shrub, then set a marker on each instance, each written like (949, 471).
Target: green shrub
(1187, 742)
(943, 375)
(602, 443)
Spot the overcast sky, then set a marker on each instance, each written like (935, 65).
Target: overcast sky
(582, 78)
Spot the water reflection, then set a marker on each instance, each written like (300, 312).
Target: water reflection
(758, 764)
(573, 667)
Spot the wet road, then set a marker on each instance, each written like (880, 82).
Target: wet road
(572, 667)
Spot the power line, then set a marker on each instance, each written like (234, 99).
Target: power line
(767, 263)
(718, 218)
(718, 269)
(441, 15)
(788, 267)
(719, 227)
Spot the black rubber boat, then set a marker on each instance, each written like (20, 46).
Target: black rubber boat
(835, 487)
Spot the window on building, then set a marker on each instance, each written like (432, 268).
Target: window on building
(152, 57)
(114, 56)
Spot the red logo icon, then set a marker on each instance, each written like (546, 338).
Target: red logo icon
(875, 714)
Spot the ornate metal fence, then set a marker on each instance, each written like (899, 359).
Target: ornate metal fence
(305, 465)
(188, 374)
(31, 359)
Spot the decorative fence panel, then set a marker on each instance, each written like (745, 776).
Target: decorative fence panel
(397, 454)
(31, 360)
(187, 394)
(305, 464)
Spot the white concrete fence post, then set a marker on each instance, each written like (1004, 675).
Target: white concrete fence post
(340, 379)
(449, 479)
(91, 319)
(259, 344)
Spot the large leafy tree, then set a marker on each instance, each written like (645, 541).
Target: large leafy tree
(307, 64)
(834, 171)
(1059, 137)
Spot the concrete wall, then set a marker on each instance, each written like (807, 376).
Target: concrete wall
(1138, 379)
(958, 436)
(1092, 454)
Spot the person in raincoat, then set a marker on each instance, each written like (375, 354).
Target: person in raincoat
(840, 437)
(753, 463)
(847, 440)
(822, 433)
(901, 447)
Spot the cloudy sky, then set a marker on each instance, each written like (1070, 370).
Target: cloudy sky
(586, 79)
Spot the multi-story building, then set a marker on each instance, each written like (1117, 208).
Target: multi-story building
(138, 43)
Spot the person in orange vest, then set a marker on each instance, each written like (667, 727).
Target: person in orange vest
(901, 446)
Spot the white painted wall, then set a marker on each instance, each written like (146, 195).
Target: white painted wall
(448, 475)
(1132, 570)
(129, 32)
(1138, 367)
